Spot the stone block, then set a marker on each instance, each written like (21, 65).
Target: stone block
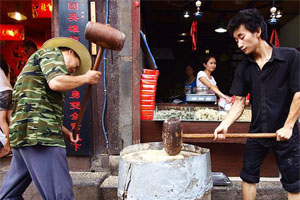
(109, 188)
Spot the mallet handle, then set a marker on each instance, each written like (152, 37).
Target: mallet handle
(86, 95)
(231, 135)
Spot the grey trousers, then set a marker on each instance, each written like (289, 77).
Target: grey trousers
(46, 166)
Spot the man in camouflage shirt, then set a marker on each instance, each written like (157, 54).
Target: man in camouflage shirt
(36, 130)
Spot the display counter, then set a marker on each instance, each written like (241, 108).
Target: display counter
(226, 155)
(202, 118)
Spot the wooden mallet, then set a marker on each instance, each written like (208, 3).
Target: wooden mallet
(172, 135)
(105, 37)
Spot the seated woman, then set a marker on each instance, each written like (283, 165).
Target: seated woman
(206, 80)
(5, 107)
(190, 82)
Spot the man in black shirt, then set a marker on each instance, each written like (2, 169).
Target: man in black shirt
(272, 77)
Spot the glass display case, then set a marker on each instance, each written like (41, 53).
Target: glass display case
(195, 113)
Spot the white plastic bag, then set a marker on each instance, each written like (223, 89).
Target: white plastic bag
(3, 138)
(223, 105)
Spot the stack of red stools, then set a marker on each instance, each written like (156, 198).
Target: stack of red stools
(148, 91)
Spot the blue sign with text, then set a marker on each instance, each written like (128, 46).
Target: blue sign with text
(73, 17)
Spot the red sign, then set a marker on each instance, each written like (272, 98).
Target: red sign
(41, 8)
(11, 32)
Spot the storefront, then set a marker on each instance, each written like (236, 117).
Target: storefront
(32, 28)
(170, 31)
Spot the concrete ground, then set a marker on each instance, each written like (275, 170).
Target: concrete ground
(103, 186)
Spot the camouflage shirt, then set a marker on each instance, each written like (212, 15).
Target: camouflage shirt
(37, 115)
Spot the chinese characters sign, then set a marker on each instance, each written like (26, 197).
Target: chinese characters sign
(11, 32)
(41, 8)
(73, 16)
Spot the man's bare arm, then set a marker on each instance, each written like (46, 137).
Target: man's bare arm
(64, 83)
(235, 112)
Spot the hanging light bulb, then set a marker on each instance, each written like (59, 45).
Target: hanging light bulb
(183, 34)
(181, 41)
(198, 14)
(273, 9)
(198, 3)
(16, 14)
(278, 14)
(273, 19)
(221, 30)
(186, 14)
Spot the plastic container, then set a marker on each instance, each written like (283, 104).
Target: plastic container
(146, 112)
(147, 102)
(147, 92)
(147, 97)
(147, 107)
(149, 77)
(220, 179)
(150, 71)
(148, 82)
(148, 87)
(223, 105)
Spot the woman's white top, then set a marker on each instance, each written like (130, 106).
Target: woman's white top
(4, 83)
(203, 74)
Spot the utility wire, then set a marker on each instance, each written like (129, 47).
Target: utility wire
(104, 79)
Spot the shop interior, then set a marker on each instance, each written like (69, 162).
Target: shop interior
(35, 26)
(167, 26)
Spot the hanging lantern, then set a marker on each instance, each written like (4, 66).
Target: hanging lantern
(11, 32)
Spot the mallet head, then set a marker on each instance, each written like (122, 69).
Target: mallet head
(104, 36)
(172, 136)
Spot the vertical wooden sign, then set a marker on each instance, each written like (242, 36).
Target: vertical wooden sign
(73, 16)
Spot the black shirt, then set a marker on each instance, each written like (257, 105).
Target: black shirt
(271, 89)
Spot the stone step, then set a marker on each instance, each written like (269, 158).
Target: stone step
(99, 185)
(85, 186)
(109, 188)
(267, 189)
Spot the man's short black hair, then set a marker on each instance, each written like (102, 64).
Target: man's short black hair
(251, 19)
(28, 43)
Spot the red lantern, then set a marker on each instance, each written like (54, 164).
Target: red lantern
(41, 8)
(11, 32)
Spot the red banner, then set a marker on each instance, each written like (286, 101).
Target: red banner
(41, 8)
(11, 32)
